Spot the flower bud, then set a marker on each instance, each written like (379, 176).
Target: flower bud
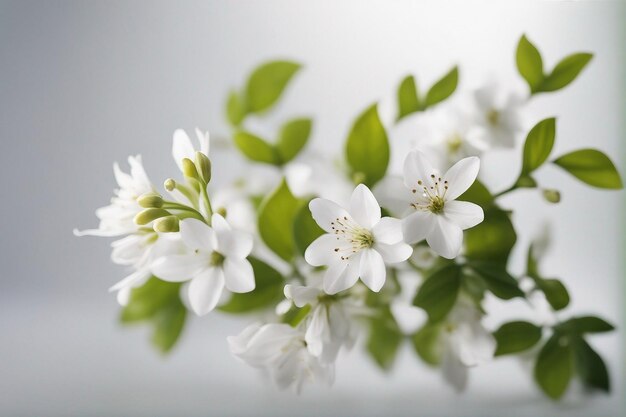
(189, 169)
(203, 165)
(169, 184)
(221, 211)
(552, 196)
(167, 224)
(150, 200)
(150, 214)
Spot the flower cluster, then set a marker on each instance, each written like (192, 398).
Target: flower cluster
(322, 253)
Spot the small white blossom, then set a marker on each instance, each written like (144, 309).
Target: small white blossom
(183, 148)
(358, 243)
(436, 216)
(217, 259)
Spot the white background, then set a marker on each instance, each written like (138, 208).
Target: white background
(83, 84)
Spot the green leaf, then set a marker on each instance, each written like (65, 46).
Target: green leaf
(439, 292)
(276, 219)
(293, 136)
(555, 292)
(532, 267)
(590, 366)
(255, 148)
(591, 167)
(491, 240)
(516, 336)
(408, 99)
(384, 339)
(529, 63)
(565, 72)
(426, 342)
(585, 324)
(267, 292)
(478, 194)
(553, 369)
(498, 280)
(367, 147)
(267, 83)
(158, 303)
(443, 88)
(295, 315)
(538, 146)
(235, 109)
(305, 229)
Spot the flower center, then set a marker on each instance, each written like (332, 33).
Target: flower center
(433, 198)
(492, 117)
(217, 259)
(454, 143)
(352, 235)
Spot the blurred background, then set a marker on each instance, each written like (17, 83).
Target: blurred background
(83, 84)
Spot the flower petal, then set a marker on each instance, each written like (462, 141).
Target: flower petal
(418, 168)
(461, 176)
(477, 345)
(342, 275)
(179, 268)
(205, 290)
(301, 295)
(417, 226)
(317, 331)
(231, 243)
(181, 147)
(398, 252)
(372, 269)
(445, 238)
(325, 212)
(197, 234)
(364, 207)
(203, 141)
(322, 251)
(388, 230)
(463, 213)
(454, 372)
(238, 275)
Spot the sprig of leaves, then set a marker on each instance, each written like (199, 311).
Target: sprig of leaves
(409, 99)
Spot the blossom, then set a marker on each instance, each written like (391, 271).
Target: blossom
(116, 219)
(465, 342)
(217, 260)
(358, 242)
(328, 326)
(183, 148)
(437, 216)
(280, 350)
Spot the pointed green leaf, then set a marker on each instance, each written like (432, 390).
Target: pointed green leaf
(293, 137)
(426, 342)
(305, 229)
(267, 292)
(529, 63)
(590, 366)
(538, 145)
(367, 147)
(516, 336)
(585, 324)
(554, 366)
(267, 83)
(384, 339)
(491, 240)
(168, 325)
(408, 99)
(443, 88)
(565, 72)
(235, 109)
(439, 292)
(591, 167)
(498, 280)
(276, 219)
(255, 148)
(555, 292)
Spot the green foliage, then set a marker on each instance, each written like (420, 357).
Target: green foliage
(384, 339)
(295, 315)
(235, 109)
(554, 290)
(267, 83)
(516, 336)
(408, 97)
(554, 366)
(478, 194)
(498, 280)
(491, 240)
(305, 229)
(367, 147)
(255, 148)
(584, 324)
(443, 88)
(591, 167)
(538, 145)
(439, 292)
(530, 67)
(158, 303)
(293, 137)
(276, 218)
(267, 292)
(426, 343)
(590, 366)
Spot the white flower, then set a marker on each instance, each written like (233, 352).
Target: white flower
(497, 118)
(466, 343)
(218, 259)
(116, 219)
(328, 324)
(436, 216)
(358, 242)
(182, 147)
(280, 350)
